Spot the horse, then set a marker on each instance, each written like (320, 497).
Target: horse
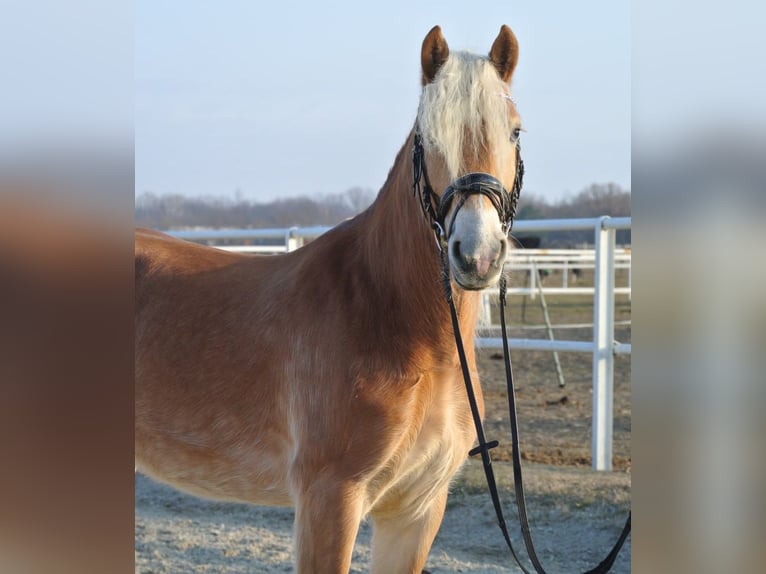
(327, 378)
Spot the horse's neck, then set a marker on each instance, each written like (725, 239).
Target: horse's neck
(403, 255)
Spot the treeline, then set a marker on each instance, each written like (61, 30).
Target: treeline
(594, 201)
(177, 211)
(180, 212)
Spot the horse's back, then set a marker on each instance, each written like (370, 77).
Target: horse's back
(155, 251)
(196, 300)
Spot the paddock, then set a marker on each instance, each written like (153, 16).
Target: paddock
(227, 409)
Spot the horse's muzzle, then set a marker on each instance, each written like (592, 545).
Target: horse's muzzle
(477, 267)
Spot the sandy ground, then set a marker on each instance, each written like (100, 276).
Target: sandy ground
(576, 514)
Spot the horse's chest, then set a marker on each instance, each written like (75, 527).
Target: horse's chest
(426, 464)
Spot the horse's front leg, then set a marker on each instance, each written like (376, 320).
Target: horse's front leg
(401, 543)
(328, 511)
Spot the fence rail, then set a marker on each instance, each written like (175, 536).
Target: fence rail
(604, 259)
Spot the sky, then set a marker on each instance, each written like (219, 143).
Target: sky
(304, 98)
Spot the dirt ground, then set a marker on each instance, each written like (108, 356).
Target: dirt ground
(554, 422)
(575, 513)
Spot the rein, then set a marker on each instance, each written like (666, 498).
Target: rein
(505, 204)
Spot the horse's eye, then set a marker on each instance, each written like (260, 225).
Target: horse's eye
(516, 134)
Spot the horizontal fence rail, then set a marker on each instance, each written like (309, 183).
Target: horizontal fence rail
(604, 259)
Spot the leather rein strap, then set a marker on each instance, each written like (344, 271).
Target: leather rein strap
(484, 447)
(468, 185)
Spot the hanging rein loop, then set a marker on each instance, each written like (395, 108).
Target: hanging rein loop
(435, 210)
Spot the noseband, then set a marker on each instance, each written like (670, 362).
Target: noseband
(477, 183)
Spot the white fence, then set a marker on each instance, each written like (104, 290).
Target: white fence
(604, 259)
(565, 261)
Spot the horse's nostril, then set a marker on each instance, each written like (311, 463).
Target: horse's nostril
(478, 260)
(465, 260)
(456, 250)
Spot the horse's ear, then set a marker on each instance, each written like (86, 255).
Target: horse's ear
(433, 54)
(505, 53)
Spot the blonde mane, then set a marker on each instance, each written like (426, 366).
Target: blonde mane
(465, 101)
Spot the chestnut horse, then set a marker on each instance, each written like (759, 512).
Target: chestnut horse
(327, 378)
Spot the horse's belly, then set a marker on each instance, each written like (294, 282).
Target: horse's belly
(239, 473)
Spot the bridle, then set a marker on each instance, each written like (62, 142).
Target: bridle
(476, 183)
(435, 210)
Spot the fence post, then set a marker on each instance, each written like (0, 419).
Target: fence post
(603, 351)
(291, 241)
(532, 280)
(485, 310)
